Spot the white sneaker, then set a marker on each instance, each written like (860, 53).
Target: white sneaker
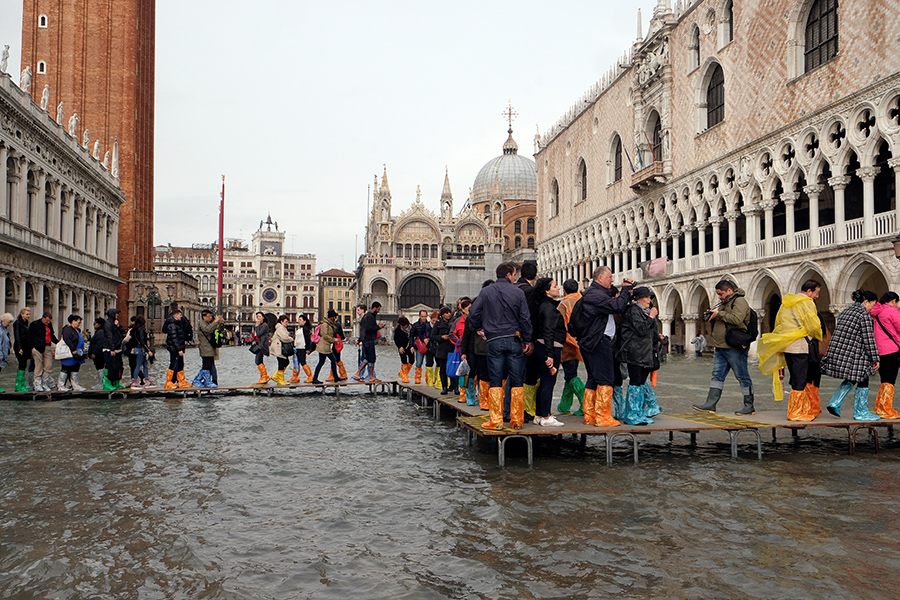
(551, 421)
(538, 420)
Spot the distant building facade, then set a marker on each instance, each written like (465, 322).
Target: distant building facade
(755, 141)
(59, 217)
(335, 292)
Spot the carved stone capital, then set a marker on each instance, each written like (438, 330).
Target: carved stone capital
(814, 190)
(868, 173)
(894, 163)
(839, 182)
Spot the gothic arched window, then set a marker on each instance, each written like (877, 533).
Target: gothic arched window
(617, 160)
(821, 33)
(715, 97)
(554, 198)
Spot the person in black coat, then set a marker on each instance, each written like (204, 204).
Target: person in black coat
(637, 347)
(177, 329)
(42, 341)
(21, 349)
(440, 341)
(550, 336)
(113, 335)
(95, 351)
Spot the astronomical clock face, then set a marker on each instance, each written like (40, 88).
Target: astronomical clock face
(269, 295)
(268, 249)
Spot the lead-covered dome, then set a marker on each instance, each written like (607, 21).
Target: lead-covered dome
(516, 176)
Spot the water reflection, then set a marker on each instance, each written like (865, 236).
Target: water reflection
(365, 497)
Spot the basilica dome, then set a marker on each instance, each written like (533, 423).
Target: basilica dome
(515, 176)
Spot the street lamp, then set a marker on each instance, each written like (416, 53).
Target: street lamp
(896, 242)
(152, 299)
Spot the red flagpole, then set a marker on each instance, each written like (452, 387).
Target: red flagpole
(221, 268)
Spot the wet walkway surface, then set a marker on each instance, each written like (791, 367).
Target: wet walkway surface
(365, 496)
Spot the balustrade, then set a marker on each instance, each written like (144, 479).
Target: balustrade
(826, 235)
(801, 240)
(854, 229)
(779, 245)
(885, 223)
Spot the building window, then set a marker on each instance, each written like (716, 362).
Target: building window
(419, 290)
(554, 198)
(531, 243)
(656, 138)
(617, 160)
(42, 21)
(42, 67)
(582, 180)
(518, 242)
(694, 49)
(518, 227)
(529, 227)
(715, 98)
(726, 24)
(821, 33)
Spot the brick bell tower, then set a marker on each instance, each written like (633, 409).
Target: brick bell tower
(98, 58)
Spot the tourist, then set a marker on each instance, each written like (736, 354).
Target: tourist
(74, 340)
(571, 354)
(435, 372)
(853, 356)
(22, 350)
(325, 346)
(532, 368)
(699, 344)
(442, 346)
(464, 383)
(211, 329)
(600, 308)
(140, 351)
(421, 336)
(178, 330)
(733, 311)
(361, 359)
(369, 331)
(638, 348)
(282, 348)
(113, 335)
(6, 320)
(302, 347)
(259, 345)
(403, 341)
(797, 331)
(549, 338)
(502, 311)
(42, 340)
(887, 339)
(474, 351)
(95, 351)
(337, 350)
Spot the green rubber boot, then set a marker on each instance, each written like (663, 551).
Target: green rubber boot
(578, 387)
(108, 386)
(21, 382)
(565, 401)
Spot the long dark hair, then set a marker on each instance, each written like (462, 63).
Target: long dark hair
(860, 296)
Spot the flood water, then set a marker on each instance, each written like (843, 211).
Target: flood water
(362, 496)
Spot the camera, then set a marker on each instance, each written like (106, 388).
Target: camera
(707, 315)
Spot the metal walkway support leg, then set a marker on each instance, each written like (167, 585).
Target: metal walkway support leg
(501, 448)
(851, 433)
(609, 444)
(734, 434)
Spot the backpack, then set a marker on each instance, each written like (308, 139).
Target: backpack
(218, 338)
(742, 338)
(315, 336)
(577, 327)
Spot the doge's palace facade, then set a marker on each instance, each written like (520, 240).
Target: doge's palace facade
(59, 216)
(755, 141)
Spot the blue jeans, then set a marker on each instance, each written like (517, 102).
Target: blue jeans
(368, 348)
(140, 360)
(429, 359)
(731, 359)
(506, 360)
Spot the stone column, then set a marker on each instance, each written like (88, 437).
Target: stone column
(100, 251)
(732, 217)
(18, 197)
(894, 163)
(78, 218)
(79, 306)
(652, 242)
(634, 257)
(676, 234)
(790, 200)
(701, 242)
(22, 283)
(715, 223)
(643, 251)
(839, 184)
(54, 212)
(90, 232)
(769, 206)
(4, 199)
(688, 242)
(54, 304)
(867, 174)
(690, 328)
(666, 323)
(813, 192)
(38, 301)
(39, 207)
(2, 274)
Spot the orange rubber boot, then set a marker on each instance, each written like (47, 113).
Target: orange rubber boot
(603, 407)
(798, 406)
(418, 378)
(813, 402)
(263, 375)
(517, 408)
(404, 373)
(587, 406)
(884, 402)
(309, 374)
(295, 378)
(341, 370)
(170, 385)
(495, 421)
(484, 395)
(182, 382)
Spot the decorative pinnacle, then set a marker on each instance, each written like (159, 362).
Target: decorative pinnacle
(509, 114)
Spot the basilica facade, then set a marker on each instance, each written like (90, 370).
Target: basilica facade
(59, 216)
(753, 141)
(420, 259)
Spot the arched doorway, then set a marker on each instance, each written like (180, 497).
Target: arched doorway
(419, 290)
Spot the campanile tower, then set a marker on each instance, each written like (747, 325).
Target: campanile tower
(98, 59)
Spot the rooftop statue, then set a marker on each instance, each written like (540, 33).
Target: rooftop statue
(4, 58)
(73, 124)
(59, 113)
(25, 81)
(45, 97)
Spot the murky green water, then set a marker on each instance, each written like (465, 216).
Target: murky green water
(366, 497)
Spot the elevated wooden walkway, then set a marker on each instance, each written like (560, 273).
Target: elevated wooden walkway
(470, 419)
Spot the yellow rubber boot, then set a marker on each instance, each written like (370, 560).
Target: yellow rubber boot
(278, 378)
(170, 385)
(436, 379)
(603, 407)
(429, 376)
(495, 421)
(530, 399)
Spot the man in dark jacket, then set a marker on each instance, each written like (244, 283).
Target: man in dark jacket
(733, 311)
(421, 331)
(532, 368)
(22, 349)
(177, 329)
(502, 311)
(368, 334)
(597, 345)
(42, 342)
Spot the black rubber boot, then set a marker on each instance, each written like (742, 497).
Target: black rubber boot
(711, 400)
(748, 406)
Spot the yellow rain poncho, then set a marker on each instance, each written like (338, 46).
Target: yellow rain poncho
(797, 318)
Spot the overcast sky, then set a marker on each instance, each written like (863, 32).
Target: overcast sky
(299, 104)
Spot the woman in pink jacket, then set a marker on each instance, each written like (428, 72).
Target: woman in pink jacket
(887, 339)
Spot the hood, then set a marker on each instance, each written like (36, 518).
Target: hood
(792, 300)
(738, 293)
(111, 314)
